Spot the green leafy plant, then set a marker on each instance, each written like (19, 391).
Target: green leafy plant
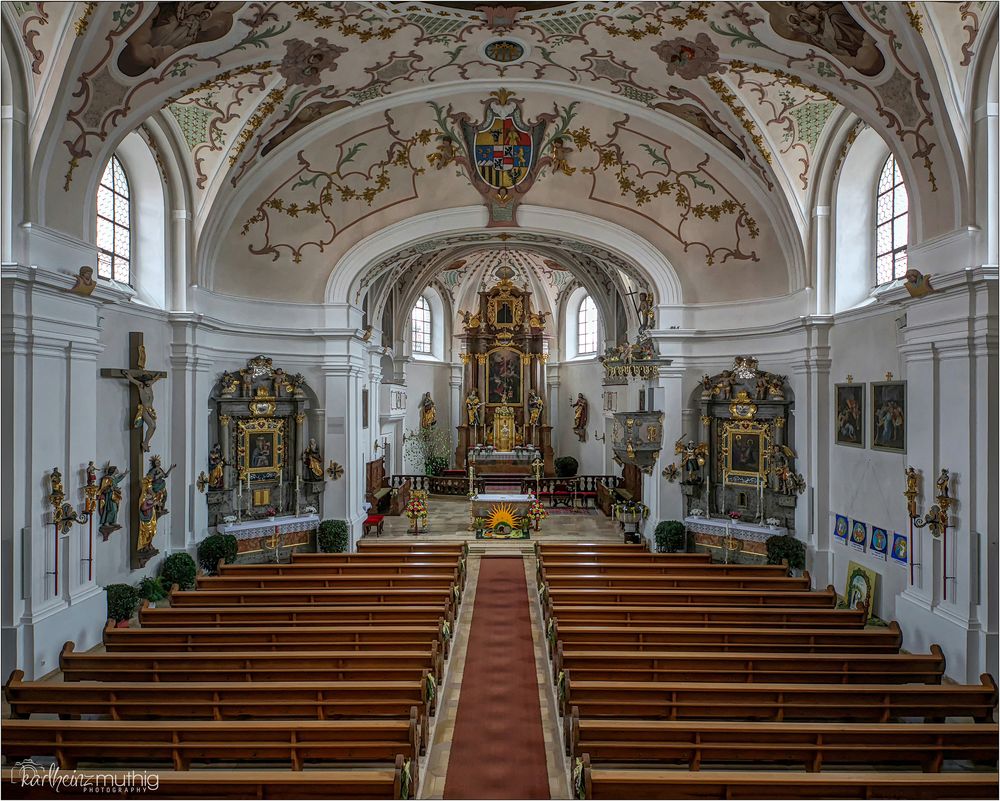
(671, 536)
(786, 547)
(151, 589)
(436, 465)
(123, 599)
(430, 447)
(333, 536)
(566, 466)
(216, 547)
(180, 569)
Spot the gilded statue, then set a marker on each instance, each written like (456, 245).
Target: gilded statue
(580, 415)
(428, 411)
(473, 405)
(313, 461)
(535, 407)
(725, 384)
(229, 384)
(147, 514)
(109, 498)
(85, 283)
(158, 481)
(216, 468)
(647, 317)
(693, 457)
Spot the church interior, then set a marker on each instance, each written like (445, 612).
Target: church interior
(507, 400)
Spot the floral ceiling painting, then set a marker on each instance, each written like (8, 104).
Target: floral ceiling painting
(698, 123)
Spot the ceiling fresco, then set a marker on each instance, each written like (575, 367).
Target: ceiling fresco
(697, 124)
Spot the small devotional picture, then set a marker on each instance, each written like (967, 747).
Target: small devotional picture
(840, 528)
(889, 416)
(859, 535)
(849, 426)
(879, 544)
(900, 552)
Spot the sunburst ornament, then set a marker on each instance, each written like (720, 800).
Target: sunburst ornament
(502, 515)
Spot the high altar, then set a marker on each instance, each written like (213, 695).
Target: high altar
(505, 423)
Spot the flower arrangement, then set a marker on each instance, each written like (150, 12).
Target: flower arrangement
(630, 511)
(536, 513)
(773, 522)
(735, 515)
(416, 509)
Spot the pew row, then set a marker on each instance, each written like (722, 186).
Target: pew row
(190, 700)
(664, 637)
(362, 564)
(608, 783)
(575, 548)
(436, 579)
(459, 549)
(250, 666)
(801, 668)
(678, 581)
(181, 743)
(276, 638)
(293, 616)
(708, 616)
(395, 782)
(811, 746)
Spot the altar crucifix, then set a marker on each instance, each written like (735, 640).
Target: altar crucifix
(142, 417)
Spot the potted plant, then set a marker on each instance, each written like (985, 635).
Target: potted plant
(123, 599)
(671, 536)
(151, 589)
(332, 537)
(416, 509)
(566, 466)
(216, 547)
(179, 569)
(784, 548)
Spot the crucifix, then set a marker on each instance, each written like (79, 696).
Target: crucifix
(143, 426)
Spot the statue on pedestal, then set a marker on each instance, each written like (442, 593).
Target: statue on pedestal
(580, 415)
(472, 408)
(158, 482)
(535, 407)
(428, 411)
(109, 498)
(313, 461)
(147, 514)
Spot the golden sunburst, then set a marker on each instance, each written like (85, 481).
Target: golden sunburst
(502, 514)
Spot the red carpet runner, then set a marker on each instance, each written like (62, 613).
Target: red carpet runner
(497, 750)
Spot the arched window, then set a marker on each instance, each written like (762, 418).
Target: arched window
(114, 224)
(586, 327)
(891, 217)
(420, 326)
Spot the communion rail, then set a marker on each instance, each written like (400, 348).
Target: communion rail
(459, 485)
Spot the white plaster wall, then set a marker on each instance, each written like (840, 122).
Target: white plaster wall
(427, 376)
(586, 376)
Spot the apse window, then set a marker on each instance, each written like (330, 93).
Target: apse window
(420, 326)
(892, 216)
(114, 224)
(586, 327)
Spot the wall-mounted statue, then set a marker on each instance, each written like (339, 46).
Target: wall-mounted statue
(85, 283)
(229, 384)
(581, 413)
(158, 482)
(147, 514)
(786, 480)
(473, 407)
(724, 385)
(535, 407)
(216, 468)
(647, 317)
(109, 498)
(313, 462)
(428, 411)
(693, 457)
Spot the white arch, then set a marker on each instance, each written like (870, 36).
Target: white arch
(346, 274)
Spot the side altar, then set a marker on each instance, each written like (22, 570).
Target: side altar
(505, 424)
(268, 539)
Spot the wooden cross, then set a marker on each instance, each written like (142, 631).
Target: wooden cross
(142, 426)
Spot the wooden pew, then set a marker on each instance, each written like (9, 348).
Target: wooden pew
(557, 596)
(416, 580)
(584, 637)
(679, 581)
(606, 783)
(276, 638)
(402, 546)
(824, 668)
(869, 703)
(367, 556)
(250, 665)
(294, 616)
(546, 548)
(363, 565)
(558, 566)
(805, 745)
(240, 700)
(395, 782)
(753, 616)
(183, 742)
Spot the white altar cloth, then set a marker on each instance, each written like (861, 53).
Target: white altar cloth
(737, 528)
(286, 524)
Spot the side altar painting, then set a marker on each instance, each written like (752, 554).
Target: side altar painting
(263, 464)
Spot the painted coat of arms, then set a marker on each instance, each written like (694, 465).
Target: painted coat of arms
(501, 155)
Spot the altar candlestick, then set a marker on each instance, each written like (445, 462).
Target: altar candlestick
(298, 484)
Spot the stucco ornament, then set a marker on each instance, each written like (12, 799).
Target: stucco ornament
(687, 59)
(303, 62)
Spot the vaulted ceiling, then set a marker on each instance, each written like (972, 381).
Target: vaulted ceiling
(303, 128)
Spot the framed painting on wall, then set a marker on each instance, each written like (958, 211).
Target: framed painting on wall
(841, 527)
(889, 416)
(860, 588)
(849, 426)
(746, 453)
(504, 377)
(879, 545)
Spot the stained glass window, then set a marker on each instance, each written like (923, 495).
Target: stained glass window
(586, 327)
(420, 326)
(891, 218)
(114, 224)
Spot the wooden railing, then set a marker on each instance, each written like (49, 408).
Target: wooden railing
(459, 485)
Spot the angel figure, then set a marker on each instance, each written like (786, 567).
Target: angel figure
(560, 157)
(693, 457)
(85, 283)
